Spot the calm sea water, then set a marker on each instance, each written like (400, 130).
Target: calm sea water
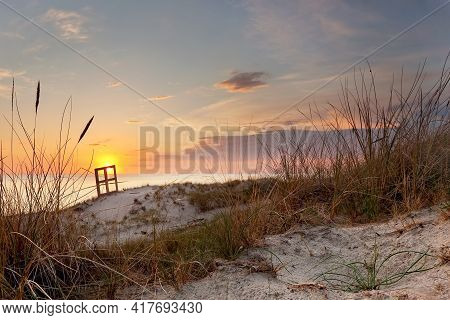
(127, 181)
(77, 190)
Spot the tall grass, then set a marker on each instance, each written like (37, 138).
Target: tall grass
(365, 159)
(36, 243)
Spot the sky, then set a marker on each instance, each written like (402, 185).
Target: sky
(203, 63)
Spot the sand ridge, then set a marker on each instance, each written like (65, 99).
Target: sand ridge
(284, 266)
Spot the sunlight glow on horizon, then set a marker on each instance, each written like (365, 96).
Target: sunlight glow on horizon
(108, 159)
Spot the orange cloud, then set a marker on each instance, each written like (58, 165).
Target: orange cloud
(160, 98)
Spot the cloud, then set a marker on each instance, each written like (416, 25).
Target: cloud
(309, 32)
(215, 106)
(160, 98)
(243, 82)
(101, 143)
(70, 24)
(134, 121)
(289, 76)
(35, 49)
(5, 73)
(114, 84)
(338, 27)
(12, 35)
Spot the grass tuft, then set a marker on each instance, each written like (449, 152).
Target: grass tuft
(376, 272)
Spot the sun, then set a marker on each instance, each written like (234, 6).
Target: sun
(108, 160)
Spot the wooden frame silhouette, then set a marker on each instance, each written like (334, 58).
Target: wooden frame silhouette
(106, 180)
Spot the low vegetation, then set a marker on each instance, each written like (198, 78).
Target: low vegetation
(207, 197)
(376, 272)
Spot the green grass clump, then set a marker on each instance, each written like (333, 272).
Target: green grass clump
(221, 195)
(376, 272)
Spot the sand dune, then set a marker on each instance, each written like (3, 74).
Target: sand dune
(133, 213)
(283, 266)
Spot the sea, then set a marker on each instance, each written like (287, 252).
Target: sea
(128, 181)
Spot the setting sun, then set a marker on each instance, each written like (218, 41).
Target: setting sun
(107, 160)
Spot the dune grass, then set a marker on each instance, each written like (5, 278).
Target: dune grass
(366, 161)
(207, 197)
(36, 245)
(375, 272)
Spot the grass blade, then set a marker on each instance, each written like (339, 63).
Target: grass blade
(38, 96)
(86, 128)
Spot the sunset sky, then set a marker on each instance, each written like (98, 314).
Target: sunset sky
(225, 62)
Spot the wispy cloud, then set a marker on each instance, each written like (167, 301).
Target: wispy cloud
(5, 73)
(101, 143)
(114, 84)
(337, 27)
(35, 49)
(134, 121)
(70, 24)
(214, 106)
(309, 31)
(288, 77)
(11, 35)
(243, 82)
(160, 98)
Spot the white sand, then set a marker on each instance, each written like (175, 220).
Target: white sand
(300, 252)
(133, 213)
(297, 256)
